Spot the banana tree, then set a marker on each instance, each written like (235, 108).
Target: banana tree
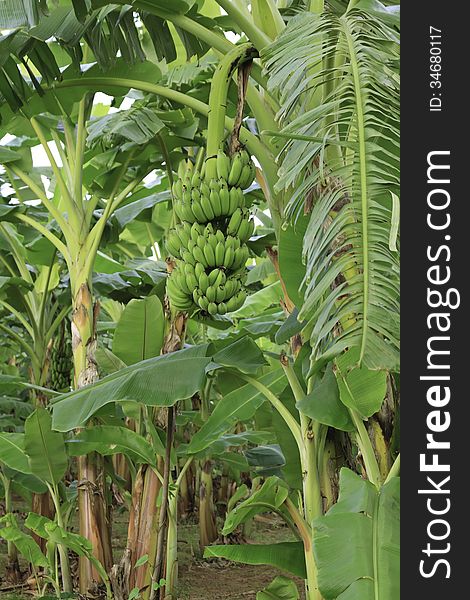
(28, 299)
(35, 310)
(41, 453)
(73, 210)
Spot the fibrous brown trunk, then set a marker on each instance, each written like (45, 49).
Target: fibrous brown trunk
(121, 469)
(93, 514)
(142, 533)
(42, 504)
(207, 519)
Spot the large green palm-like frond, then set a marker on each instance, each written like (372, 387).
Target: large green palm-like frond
(339, 82)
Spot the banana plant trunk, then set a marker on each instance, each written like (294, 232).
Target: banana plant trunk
(12, 568)
(93, 515)
(142, 532)
(186, 494)
(171, 567)
(207, 519)
(41, 504)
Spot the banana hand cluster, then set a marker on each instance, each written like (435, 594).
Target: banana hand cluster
(210, 241)
(61, 365)
(199, 200)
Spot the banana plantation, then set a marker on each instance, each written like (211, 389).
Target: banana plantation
(199, 299)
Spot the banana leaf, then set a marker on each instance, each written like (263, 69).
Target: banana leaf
(356, 544)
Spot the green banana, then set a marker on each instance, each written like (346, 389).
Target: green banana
(188, 268)
(205, 189)
(251, 229)
(196, 179)
(210, 293)
(224, 196)
(210, 240)
(208, 230)
(214, 185)
(207, 208)
(223, 165)
(245, 157)
(241, 256)
(182, 169)
(221, 278)
(183, 305)
(177, 298)
(228, 257)
(243, 230)
(184, 284)
(203, 302)
(232, 242)
(213, 276)
(241, 198)
(235, 170)
(203, 281)
(215, 203)
(188, 258)
(199, 256)
(234, 200)
(173, 246)
(199, 269)
(220, 293)
(246, 178)
(234, 223)
(186, 196)
(209, 255)
(195, 195)
(188, 214)
(212, 308)
(219, 253)
(236, 301)
(191, 281)
(239, 259)
(196, 231)
(177, 189)
(179, 210)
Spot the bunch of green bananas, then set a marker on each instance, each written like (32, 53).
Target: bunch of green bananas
(210, 241)
(199, 200)
(61, 365)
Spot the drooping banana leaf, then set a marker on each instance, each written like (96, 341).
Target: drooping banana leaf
(356, 544)
(288, 556)
(341, 164)
(269, 497)
(45, 448)
(110, 439)
(139, 333)
(26, 545)
(280, 588)
(12, 452)
(159, 381)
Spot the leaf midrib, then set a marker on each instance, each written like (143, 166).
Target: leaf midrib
(363, 180)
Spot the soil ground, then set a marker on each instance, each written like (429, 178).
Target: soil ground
(199, 579)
